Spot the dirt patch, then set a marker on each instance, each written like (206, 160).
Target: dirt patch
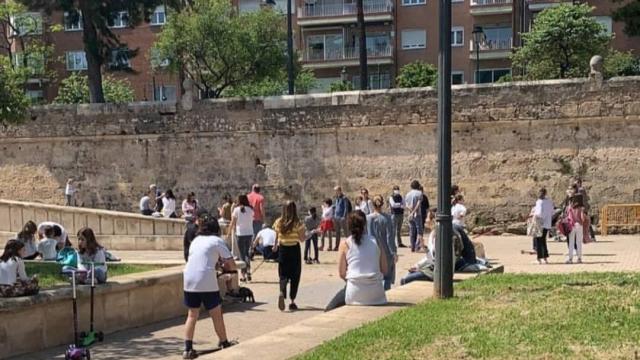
(30, 183)
(446, 348)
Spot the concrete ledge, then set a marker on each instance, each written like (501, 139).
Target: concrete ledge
(314, 331)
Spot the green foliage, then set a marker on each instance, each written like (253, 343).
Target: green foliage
(221, 49)
(305, 81)
(340, 86)
(49, 274)
(417, 74)
(618, 63)
(505, 79)
(561, 43)
(272, 86)
(629, 13)
(75, 90)
(13, 101)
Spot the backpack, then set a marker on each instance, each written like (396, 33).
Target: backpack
(68, 257)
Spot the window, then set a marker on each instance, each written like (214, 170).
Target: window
(245, 6)
(413, 2)
(156, 59)
(491, 75)
(323, 85)
(34, 62)
(72, 22)
(457, 36)
(159, 16)
(35, 96)
(325, 47)
(457, 77)
(497, 38)
(606, 22)
(414, 39)
(164, 93)
(119, 59)
(380, 80)
(119, 20)
(76, 60)
(281, 6)
(27, 24)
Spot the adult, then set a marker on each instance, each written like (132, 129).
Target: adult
(169, 204)
(361, 266)
(342, 209)
(265, 241)
(576, 236)
(91, 253)
(543, 214)
(70, 193)
(225, 214)
(458, 211)
(193, 225)
(256, 200)
(146, 204)
(413, 200)
(590, 232)
(455, 190)
(366, 205)
(59, 233)
(207, 251)
(290, 232)
(380, 226)
(189, 206)
(13, 277)
(241, 225)
(27, 236)
(396, 205)
(156, 195)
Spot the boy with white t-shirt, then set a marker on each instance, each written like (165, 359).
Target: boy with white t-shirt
(207, 251)
(47, 246)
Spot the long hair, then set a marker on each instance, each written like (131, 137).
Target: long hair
(28, 231)
(243, 201)
(91, 245)
(378, 202)
(289, 219)
(357, 221)
(11, 250)
(169, 194)
(313, 212)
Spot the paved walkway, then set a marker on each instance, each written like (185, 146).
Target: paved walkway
(319, 284)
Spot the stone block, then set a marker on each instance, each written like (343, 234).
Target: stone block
(140, 313)
(167, 301)
(120, 227)
(24, 330)
(118, 317)
(133, 226)
(67, 221)
(5, 218)
(632, 108)
(168, 243)
(79, 221)
(590, 108)
(93, 221)
(145, 243)
(160, 228)
(279, 102)
(41, 215)
(28, 213)
(106, 225)
(15, 214)
(146, 227)
(57, 320)
(54, 216)
(569, 110)
(123, 242)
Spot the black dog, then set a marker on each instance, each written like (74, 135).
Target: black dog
(246, 294)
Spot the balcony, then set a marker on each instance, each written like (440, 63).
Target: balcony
(327, 12)
(349, 56)
(490, 7)
(492, 49)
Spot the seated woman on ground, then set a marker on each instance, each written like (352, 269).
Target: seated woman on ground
(28, 237)
(13, 277)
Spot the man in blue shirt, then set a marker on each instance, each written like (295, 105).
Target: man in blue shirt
(342, 209)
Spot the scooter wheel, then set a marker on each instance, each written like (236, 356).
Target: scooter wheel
(87, 354)
(100, 336)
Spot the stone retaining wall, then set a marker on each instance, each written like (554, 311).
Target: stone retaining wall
(34, 323)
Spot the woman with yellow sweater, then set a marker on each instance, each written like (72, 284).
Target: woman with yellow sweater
(290, 232)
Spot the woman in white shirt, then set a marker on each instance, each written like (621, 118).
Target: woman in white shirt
(13, 277)
(458, 210)
(91, 253)
(169, 204)
(242, 226)
(543, 212)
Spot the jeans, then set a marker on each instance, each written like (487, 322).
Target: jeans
(390, 276)
(257, 226)
(541, 245)
(339, 224)
(416, 230)
(414, 276)
(397, 226)
(267, 252)
(307, 247)
(244, 244)
(575, 240)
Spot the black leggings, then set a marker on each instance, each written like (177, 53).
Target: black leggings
(289, 269)
(541, 245)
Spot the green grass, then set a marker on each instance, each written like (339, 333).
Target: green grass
(49, 273)
(577, 316)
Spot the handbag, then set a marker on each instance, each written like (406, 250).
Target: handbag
(534, 227)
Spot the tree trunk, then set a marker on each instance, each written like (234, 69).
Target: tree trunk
(92, 52)
(364, 74)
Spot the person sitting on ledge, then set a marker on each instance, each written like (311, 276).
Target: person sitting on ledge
(92, 253)
(13, 276)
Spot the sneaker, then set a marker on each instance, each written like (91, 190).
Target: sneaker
(316, 261)
(579, 261)
(248, 277)
(401, 245)
(545, 261)
(226, 344)
(281, 302)
(293, 307)
(569, 261)
(335, 248)
(189, 354)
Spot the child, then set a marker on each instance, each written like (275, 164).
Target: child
(311, 224)
(13, 277)
(28, 238)
(47, 246)
(70, 193)
(91, 253)
(326, 225)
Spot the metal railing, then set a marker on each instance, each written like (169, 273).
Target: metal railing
(492, 44)
(490, 2)
(342, 8)
(348, 53)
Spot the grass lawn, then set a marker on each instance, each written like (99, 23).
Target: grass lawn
(49, 273)
(573, 316)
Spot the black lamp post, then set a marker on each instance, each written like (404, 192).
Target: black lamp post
(290, 77)
(478, 36)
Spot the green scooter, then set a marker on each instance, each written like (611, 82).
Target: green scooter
(89, 338)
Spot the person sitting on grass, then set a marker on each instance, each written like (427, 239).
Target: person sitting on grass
(59, 233)
(91, 253)
(13, 276)
(201, 284)
(47, 246)
(28, 237)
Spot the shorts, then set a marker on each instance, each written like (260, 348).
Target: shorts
(210, 299)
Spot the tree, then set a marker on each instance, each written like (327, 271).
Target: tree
(219, 49)
(75, 90)
(561, 43)
(13, 101)
(305, 81)
(618, 63)
(629, 13)
(341, 85)
(99, 40)
(417, 74)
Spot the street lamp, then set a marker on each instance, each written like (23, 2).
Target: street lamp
(478, 36)
(290, 77)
